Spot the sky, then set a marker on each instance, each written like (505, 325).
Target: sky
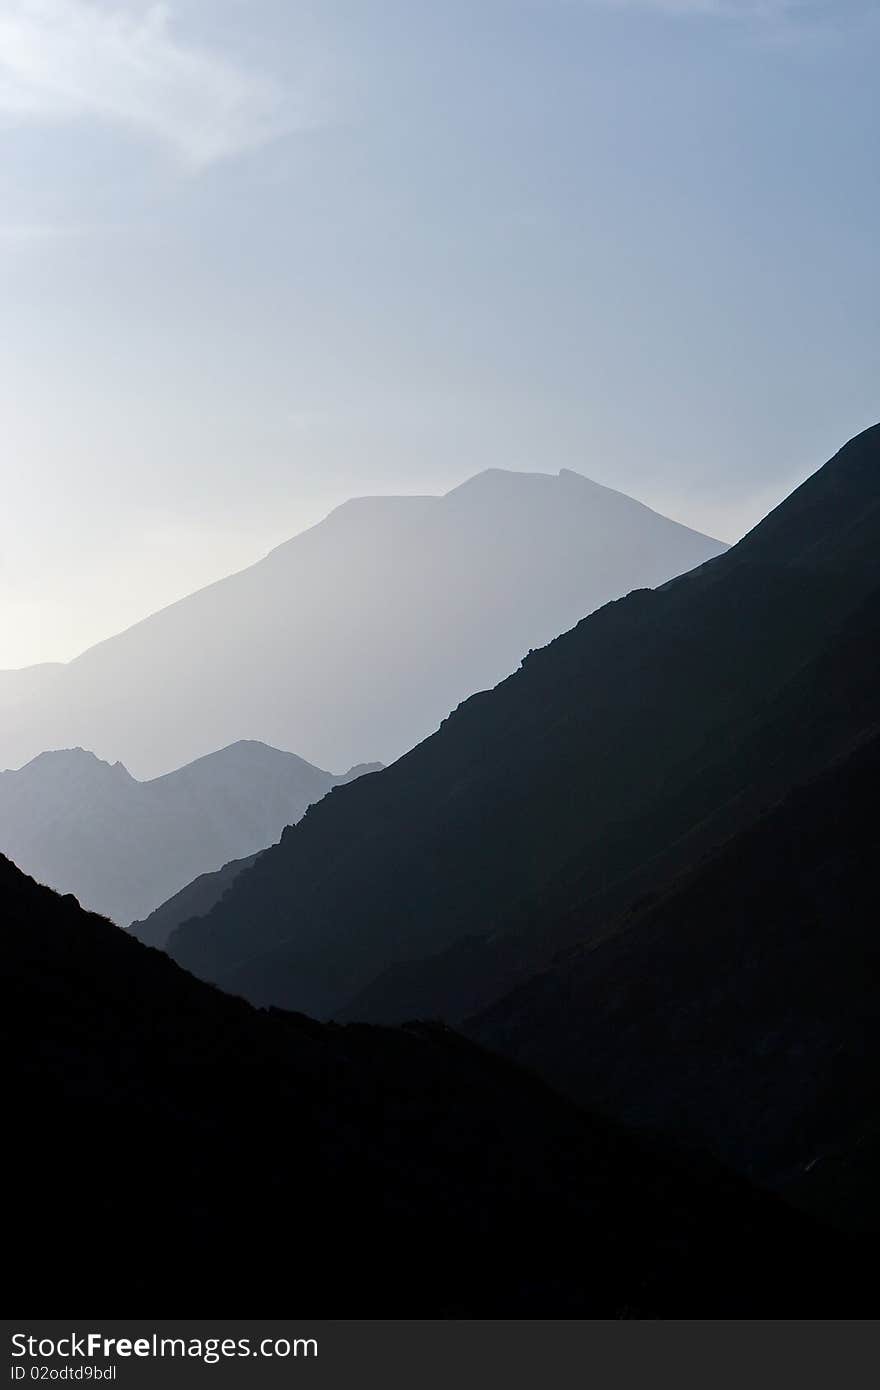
(259, 256)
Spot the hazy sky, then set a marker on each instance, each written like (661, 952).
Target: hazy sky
(257, 256)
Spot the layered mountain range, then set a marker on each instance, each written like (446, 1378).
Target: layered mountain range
(545, 813)
(640, 868)
(641, 736)
(123, 847)
(352, 641)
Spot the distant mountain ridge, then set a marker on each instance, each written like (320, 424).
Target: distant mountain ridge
(123, 847)
(355, 638)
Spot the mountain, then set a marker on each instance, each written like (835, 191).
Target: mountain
(262, 1160)
(122, 846)
(610, 761)
(355, 638)
(824, 711)
(738, 1012)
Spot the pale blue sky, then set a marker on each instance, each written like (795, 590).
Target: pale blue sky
(257, 256)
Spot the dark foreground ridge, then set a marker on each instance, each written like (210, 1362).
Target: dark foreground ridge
(173, 1143)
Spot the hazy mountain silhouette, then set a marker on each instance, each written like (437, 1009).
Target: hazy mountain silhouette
(122, 846)
(383, 1172)
(354, 639)
(610, 761)
(739, 1012)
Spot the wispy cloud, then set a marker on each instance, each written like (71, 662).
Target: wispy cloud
(64, 60)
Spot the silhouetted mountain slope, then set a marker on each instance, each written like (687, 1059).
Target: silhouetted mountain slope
(739, 1012)
(195, 900)
(225, 1159)
(355, 638)
(609, 760)
(827, 708)
(123, 846)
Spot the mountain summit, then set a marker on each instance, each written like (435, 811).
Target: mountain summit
(354, 639)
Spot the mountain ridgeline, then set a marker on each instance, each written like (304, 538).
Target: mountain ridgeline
(610, 761)
(210, 1146)
(354, 639)
(123, 846)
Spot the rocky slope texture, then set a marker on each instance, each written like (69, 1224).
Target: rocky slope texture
(354, 639)
(122, 846)
(218, 1156)
(612, 760)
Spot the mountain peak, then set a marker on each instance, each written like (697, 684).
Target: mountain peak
(506, 482)
(73, 760)
(413, 602)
